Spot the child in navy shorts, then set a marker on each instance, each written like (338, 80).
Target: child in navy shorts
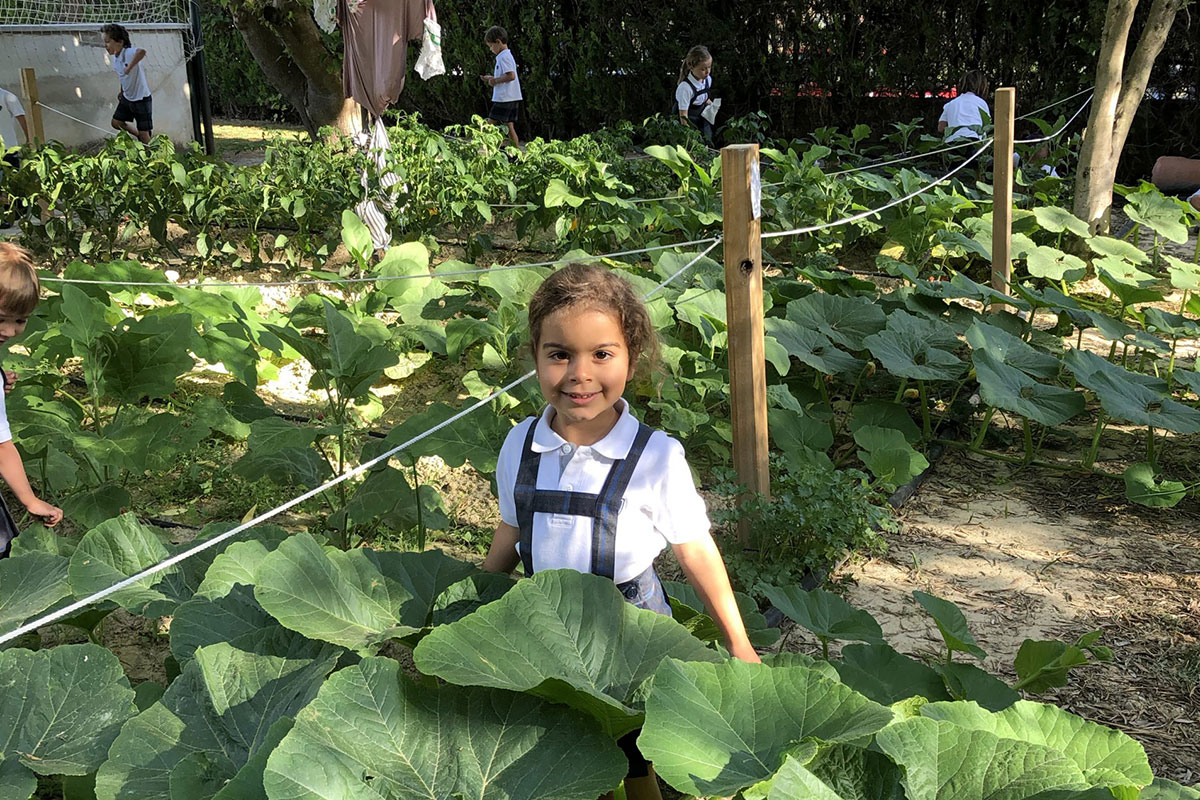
(506, 86)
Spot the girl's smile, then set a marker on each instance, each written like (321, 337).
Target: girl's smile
(583, 365)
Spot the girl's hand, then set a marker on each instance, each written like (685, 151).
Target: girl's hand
(51, 515)
(10, 380)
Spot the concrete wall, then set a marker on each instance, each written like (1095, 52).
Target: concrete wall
(75, 76)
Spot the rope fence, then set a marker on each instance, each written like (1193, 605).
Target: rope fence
(83, 603)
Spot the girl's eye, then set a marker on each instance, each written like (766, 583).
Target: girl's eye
(603, 355)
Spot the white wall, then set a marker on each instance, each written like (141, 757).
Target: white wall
(75, 75)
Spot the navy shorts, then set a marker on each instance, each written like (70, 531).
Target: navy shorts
(140, 111)
(504, 112)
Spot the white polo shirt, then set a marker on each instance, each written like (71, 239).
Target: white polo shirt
(661, 505)
(689, 89)
(10, 109)
(5, 431)
(962, 114)
(134, 85)
(506, 92)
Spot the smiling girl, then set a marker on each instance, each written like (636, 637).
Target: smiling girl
(586, 486)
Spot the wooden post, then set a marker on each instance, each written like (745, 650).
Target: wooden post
(742, 203)
(1002, 191)
(37, 134)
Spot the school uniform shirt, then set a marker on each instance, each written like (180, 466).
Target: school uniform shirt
(5, 431)
(689, 89)
(10, 109)
(660, 507)
(134, 85)
(963, 113)
(506, 92)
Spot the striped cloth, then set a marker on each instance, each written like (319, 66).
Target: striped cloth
(369, 210)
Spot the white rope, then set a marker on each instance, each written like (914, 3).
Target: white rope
(1035, 112)
(79, 605)
(105, 131)
(1058, 132)
(824, 225)
(901, 160)
(377, 278)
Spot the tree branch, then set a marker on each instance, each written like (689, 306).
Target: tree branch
(1137, 75)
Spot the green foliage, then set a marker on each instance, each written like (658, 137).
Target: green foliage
(814, 516)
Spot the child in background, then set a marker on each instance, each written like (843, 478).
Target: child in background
(964, 115)
(19, 293)
(506, 86)
(11, 112)
(589, 329)
(694, 87)
(133, 101)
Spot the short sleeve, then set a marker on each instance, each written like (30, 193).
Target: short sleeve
(945, 117)
(683, 96)
(507, 62)
(682, 516)
(14, 104)
(506, 472)
(5, 431)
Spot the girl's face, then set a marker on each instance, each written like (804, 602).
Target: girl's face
(702, 70)
(12, 325)
(583, 365)
(112, 46)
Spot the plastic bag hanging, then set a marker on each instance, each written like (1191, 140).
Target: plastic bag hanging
(429, 62)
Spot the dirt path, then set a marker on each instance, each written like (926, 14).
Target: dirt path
(1026, 553)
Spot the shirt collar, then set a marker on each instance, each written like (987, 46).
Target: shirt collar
(615, 445)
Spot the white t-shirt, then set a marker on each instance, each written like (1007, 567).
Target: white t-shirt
(10, 109)
(134, 85)
(689, 89)
(511, 91)
(5, 431)
(661, 505)
(962, 114)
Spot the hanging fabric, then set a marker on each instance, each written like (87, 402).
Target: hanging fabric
(376, 36)
(369, 210)
(325, 13)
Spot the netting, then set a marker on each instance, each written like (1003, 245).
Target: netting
(97, 12)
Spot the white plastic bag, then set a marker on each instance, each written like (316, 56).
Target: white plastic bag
(429, 62)
(710, 111)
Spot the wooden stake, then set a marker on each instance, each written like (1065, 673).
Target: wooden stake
(37, 133)
(1002, 192)
(742, 202)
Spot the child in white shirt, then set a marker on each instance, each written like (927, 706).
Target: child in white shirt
(506, 86)
(11, 112)
(133, 100)
(964, 116)
(694, 87)
(19, 295)
(586, 486)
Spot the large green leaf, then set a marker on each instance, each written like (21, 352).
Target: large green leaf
(1058, 220)
(567, 637)
(357, 599)
(1163, 789)
(1143, 487)
(951, 623)
(811, 347)
(240, 561)
(908, 355)
(1086, 365)
(30, 584)
(1055, 265)
(714, 729)
(1012, 350)
(825, 614)
(794, 782)
(410, 263)
(1107, 757)
(372, 733)
(942, 761)
(1117, 249)
(477, 439)
(1142, 405)
(791, 431)
(856, 773)
(60, 709)
(386, 496)
(886, 676)
(883, 414)
(357, 359)
(1006, 387)
(120, 547)
(845, 320)
(888, 455)
(217, 715)
(237, 619)
(147, 356)
(1165, 215)
(969, 682)
(687, 608)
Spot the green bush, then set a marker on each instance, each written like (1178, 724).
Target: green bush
(815, 515)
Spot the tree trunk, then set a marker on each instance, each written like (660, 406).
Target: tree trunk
(1118, 94)
(284, 40)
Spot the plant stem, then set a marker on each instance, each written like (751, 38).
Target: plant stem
(987, 419)
(1090, 458)
(1150, 445)
(1027, 429)
(900, 391)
